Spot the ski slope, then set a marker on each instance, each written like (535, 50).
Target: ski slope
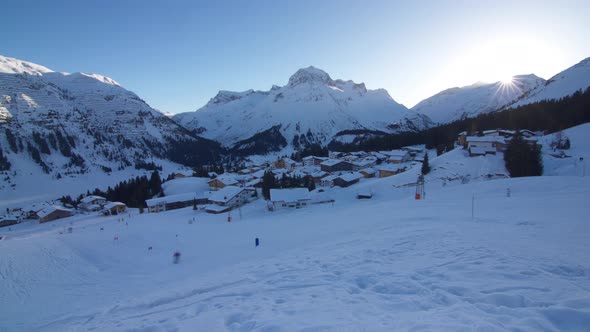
(390, 263)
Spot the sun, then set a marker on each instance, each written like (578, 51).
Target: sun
(508, 81)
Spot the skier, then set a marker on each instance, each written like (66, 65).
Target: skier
(176, 257)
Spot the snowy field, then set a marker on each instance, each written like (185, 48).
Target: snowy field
(390, 263)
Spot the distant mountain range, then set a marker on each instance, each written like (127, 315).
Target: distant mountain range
(63, 125)
(311, 108)
(561, 85)
(469, 101)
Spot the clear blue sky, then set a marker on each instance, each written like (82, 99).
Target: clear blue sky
(177, 54)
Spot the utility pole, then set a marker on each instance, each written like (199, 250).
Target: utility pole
(240, 202)
(473, 206)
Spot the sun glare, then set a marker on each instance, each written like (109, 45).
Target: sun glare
(508, 80)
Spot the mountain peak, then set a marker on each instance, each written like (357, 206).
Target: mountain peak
(310, 74)
(16, 66)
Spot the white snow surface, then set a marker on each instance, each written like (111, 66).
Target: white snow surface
(561, 85)
(183, 185)
(576, 161)
(16, 66)
(479, 98)
(389, 263)
(311, 101)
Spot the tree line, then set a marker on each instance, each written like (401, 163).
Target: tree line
(133, 192)
(549, 116)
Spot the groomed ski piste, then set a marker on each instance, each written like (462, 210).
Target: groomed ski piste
(466, 258)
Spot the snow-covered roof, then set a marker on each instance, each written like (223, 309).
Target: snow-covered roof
(365, 192)
(171, 199)
(498, 139)
(365, 161)
(226, 179)
(243, 177)
(319, 174)
(395, 153)
(352, 176)
(93, 207)
(330, 178)
(226, 194)
(314, 157)
(332, 162)
(368, 170)
(187, 173)
(391, 168)
(111, 205)
(9, 217)
(414, 148)
(253, 182)
(378, 155)
(50, 209)
(289, 195)
(531, 139)
(396, 158)
(307, 169)
(91, 198)
(289, 161)
(215, 208)
(35, 207)
(259, 174)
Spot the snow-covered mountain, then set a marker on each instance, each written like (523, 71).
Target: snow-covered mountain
(469, 101)
(65, 125)
(561, 85)
(311, 108)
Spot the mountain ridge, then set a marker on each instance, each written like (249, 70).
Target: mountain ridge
(311, 102)
(57, 125)
(468, 101)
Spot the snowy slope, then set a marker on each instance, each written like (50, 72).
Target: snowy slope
(561, 85)
(469, 101)
(312, 105)
(386, 264)
(576, 161)
(90, 125)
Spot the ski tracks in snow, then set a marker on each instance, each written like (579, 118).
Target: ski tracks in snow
(390, 282)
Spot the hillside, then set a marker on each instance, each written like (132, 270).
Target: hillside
(563, 84)
(310, 109)
(390, 263)
(479, 98)
(83, 127)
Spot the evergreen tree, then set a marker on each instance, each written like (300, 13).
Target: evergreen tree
(268, 182)
(4, 163)
(11, 140)
(522, 159)
(311, 185)
(425, 165)
(155, 184)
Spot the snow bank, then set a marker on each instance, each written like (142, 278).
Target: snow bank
(389, 263)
